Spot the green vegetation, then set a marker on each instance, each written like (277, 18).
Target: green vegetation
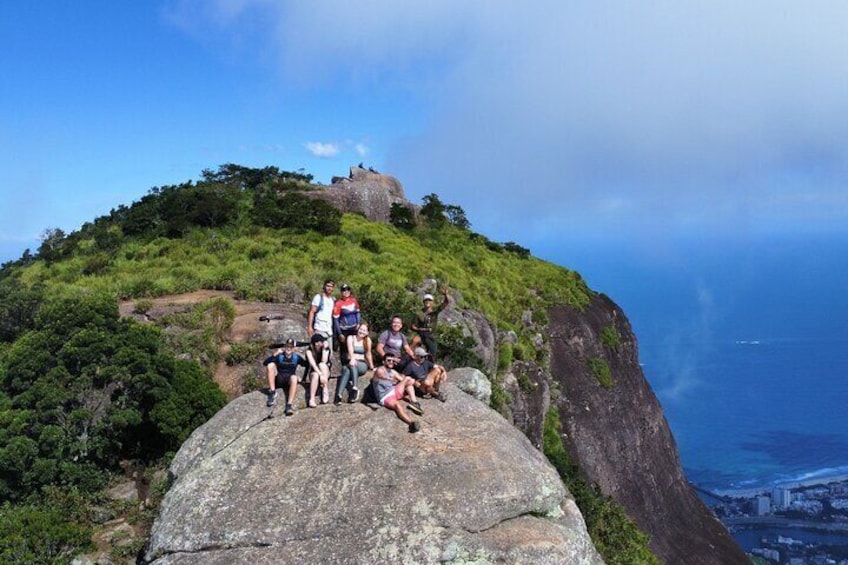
(83, 391)
(617, 538)
(610, 338)
(602, 372)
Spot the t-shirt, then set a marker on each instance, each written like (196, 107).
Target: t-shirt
(392, 342)
(416, 371)
(323, 319)
(286, 366)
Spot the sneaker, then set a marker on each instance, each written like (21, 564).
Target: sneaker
(272, 398)
(289, 410)
(325, 395)
(414, 427)
(337, 401)
(354, 395)
(443, 396)
(312, 403)
(416, 407)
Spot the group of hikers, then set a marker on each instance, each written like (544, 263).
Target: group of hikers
(407, 371)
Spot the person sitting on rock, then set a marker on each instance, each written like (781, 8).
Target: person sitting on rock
(356, 360)
(393, 341)
(390, 387)
(428, 376)
(425, 323)
(318, 358)
(281, 368)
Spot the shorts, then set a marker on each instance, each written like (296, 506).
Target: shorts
(282, 381)
(393, 396)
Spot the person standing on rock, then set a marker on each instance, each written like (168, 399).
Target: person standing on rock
(390, 387)
(346, 316)
(428, 376)
(356, 359)
(393, 342)
(319, 319)
(318, 358)
(281, 370)
(425, 322)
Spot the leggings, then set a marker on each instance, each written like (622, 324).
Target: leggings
(350, 374)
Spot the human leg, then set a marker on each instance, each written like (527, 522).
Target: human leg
(271, 375)
(324, 376)
(313, 388)
(347, 372)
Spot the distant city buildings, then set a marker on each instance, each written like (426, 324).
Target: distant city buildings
(761, 506)
(781, 498)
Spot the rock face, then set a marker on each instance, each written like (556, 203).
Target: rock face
(364, 192)
(349, 484)
(620, 439)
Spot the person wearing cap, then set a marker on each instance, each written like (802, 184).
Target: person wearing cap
(320, 316)
(318, 359)
(390, 387)
(393, 342)
(281, 368)
(356, 362)
(346, 316)
(428, 376)
(425, 322)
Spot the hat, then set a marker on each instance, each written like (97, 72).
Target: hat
(345, 286)
(420, 352)
(427, 297)
(316, 337)
(289, 343)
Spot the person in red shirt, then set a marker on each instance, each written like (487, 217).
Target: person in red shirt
(346, 315)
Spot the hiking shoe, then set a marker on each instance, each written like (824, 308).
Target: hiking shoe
(272, 398)
(354, 395)
(442, 396)
(337, 401)
(416, 407)
(414, 427)
(289, 410)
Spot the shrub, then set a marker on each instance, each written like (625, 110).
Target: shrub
(457, 349)
(369, 244)
(504, 356)
(39, 534)
(602, 372)
(402, 217)
(610, 337)
(241, 353)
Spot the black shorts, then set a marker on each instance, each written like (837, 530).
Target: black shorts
(283, 381)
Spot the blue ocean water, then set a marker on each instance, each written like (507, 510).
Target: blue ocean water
(745, 344)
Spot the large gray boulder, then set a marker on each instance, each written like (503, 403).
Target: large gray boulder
(350, 484)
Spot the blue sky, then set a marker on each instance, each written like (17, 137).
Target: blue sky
(592, 121)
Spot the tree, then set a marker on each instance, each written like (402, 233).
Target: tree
(433, 211)
(402, 216)
(456, 217)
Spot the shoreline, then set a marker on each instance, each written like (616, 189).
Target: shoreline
(823, 480)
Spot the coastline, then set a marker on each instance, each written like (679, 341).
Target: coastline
(823, 480)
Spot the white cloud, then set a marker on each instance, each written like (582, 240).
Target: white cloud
(623, 116)
(322, 150)
(361, 149)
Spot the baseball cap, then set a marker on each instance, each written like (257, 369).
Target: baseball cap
(420, 352)
(427, 297)
(316, 337)
(345, 286)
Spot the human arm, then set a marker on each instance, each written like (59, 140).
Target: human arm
(369, 358)
(350, 342)
(310, 320)
(407, 348)
(445, 301)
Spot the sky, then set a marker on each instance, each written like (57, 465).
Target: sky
(598, 121)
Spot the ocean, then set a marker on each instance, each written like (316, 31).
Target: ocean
(745, 344)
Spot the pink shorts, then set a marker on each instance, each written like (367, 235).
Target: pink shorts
(393, 396)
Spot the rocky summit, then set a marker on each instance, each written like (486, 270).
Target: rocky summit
(350, 484)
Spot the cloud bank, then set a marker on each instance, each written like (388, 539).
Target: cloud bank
(613, 117)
